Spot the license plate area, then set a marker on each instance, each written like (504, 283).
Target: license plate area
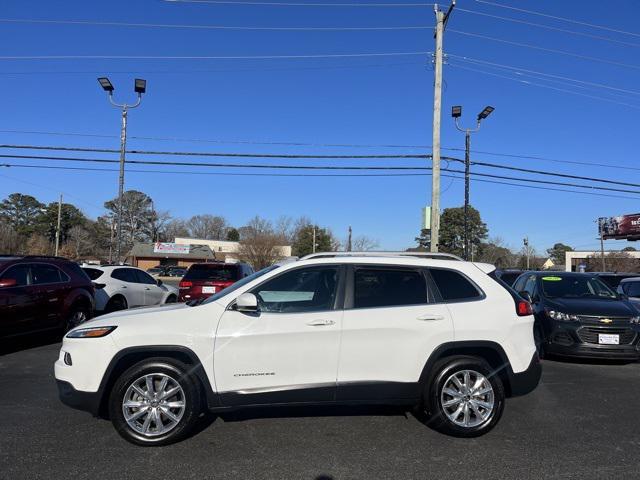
(208, 289)
(608, 339)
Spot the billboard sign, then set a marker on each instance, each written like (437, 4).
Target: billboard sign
(624, 227)
(171, 248)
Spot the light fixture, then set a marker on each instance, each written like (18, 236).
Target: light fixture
(140, 85)
(456, 112)
(485, 113)
(105, 84)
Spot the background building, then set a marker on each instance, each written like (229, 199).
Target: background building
(224, 250)
(147, 255)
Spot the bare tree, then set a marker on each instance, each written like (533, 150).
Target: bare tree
(259, 243)
(363, 243)
(207, 227)
(78, 241)
(621, 262)
(9, 239)
(38, 245)
(174, 228)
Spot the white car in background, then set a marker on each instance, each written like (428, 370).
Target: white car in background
(120, 287)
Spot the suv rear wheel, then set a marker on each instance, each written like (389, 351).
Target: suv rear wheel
(465, 397)
(155, 402)
(78, 314)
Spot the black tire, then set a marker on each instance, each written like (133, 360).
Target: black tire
(538, 339)
(79, 313)
(191, 397)
(115, 304)
(171, 299)
(433, 397)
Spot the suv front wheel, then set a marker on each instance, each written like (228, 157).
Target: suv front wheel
(465, 397)
(155, 402)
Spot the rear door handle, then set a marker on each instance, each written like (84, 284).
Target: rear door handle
(320, 323)
(430, 317)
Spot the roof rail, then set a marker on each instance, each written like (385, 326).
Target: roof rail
(430, 255)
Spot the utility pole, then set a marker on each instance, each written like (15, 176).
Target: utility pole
(441, 21)
(140, 87)
(526, 250)
(349, 240)
(456, 113)
(313, 247)
(58, 225)
(604, 268)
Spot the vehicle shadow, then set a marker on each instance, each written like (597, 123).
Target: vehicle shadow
(26, 342)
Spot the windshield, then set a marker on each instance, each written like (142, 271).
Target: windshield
(575, 287)
(239, 284)
(212, 272)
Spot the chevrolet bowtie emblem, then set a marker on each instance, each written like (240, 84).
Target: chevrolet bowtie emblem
(606, 320)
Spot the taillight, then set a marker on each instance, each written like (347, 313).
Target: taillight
(524, 308)
(184, 284)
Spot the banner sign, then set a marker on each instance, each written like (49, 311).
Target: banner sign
(624, 227)
(171, 248)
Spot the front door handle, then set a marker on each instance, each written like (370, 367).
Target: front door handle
(320, 323)
(429, 317)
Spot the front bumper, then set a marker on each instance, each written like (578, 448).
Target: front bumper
(87, 401)
(580, 340)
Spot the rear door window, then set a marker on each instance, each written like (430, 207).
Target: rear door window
(453, 286)
(144, 277)
(125, 275)
(384, 287)
(42, 274)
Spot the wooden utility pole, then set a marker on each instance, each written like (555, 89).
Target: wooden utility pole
(58, 225)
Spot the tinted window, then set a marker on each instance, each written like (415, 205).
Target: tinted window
(92, 273)
(632, 289)
(75, 269)
(388, 288)
(227, 273)
(124, 275)
(454, 286)
(144, 277)
(19, 273)
(575, 286)
(42, 274)
(509, 277)
(530, 285)
(300, 290)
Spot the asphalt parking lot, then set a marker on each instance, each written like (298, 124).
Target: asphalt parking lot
(582, 422)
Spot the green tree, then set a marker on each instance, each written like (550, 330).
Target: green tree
(557, 252)
(233, 235)
(495, 252)
(452, 230)
(138, 218)
(70, 217)
(21, 212)
(303, 240)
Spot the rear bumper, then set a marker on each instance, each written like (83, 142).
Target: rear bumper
(525, 382)
(86, 401)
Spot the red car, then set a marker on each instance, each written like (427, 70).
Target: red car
(42, 293)
(204, 279)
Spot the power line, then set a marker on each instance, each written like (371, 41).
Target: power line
(207, 27)
(561, 77)
(548, 27)
(545, 49)
(316, 167)
(316, 144)
(294, 4)
(563, 19)
(541, 85)
(308, 175)
(207, 57)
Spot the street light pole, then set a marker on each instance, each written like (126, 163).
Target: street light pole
(456, 113)
(140, 87)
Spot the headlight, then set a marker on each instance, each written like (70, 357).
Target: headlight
(93, 332)
(565, 317)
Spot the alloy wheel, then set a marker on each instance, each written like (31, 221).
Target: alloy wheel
(154, 404)
(467, 398)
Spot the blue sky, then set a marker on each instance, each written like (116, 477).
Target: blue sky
(366, 100)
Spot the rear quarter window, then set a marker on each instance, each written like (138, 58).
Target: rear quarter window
(92, 273)
(453, 286)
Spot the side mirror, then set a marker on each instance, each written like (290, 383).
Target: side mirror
(159, 282)
(247, 302)
(8, 282)
(526, 296)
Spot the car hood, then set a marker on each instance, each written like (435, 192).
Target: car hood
(592, 306)
(132, 313)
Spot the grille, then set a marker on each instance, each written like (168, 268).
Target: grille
(590, 334)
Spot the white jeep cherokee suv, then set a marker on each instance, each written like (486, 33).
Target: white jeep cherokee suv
(435, 333)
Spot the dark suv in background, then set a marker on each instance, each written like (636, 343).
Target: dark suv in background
(42, 293)
(205, 279)
(578, 315)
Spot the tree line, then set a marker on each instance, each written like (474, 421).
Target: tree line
(28, 227)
